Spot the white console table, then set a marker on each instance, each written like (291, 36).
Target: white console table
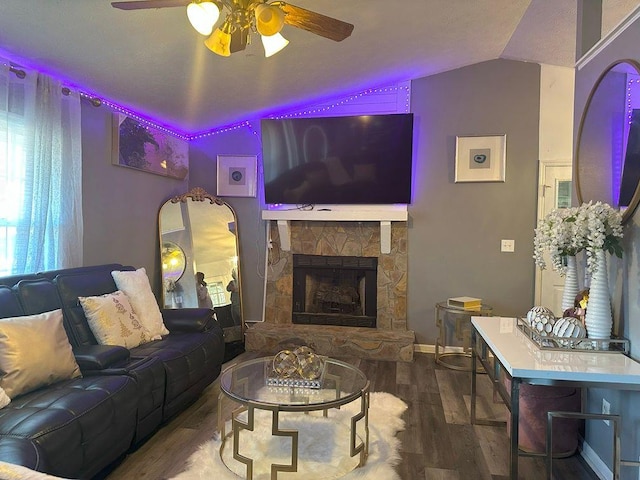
(498, 344)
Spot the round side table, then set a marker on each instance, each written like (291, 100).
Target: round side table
(454, 325)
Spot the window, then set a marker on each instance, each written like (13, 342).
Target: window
(13, 155)
(217, 294)
(564, 194)
(40, 174)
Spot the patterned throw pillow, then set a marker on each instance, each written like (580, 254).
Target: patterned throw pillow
(34, 352)
(113, 321)
(135, 284)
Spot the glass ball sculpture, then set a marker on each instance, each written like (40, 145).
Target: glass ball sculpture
(309, 364)
(285, 363)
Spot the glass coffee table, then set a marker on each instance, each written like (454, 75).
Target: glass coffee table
(252, 385)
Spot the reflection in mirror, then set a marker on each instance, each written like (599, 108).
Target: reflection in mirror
(203, 228)
(173, 266)
(607, 166)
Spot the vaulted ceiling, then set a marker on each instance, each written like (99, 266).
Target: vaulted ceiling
(153, 63)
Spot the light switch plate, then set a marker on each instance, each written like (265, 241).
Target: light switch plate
(507, 245)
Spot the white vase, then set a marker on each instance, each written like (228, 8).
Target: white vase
(598, 318)
(570, 283)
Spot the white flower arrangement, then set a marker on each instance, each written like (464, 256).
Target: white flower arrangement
(604, 227)
(568, 231)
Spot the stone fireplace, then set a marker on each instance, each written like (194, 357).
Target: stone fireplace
(334, 290)
(380, 331)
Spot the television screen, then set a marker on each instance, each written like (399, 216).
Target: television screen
(363, 159)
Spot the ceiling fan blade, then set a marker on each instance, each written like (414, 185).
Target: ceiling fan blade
(143, 4)
(316, 23)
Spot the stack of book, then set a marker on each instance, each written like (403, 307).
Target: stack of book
(465, 303)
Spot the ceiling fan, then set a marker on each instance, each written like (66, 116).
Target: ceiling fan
(243, 17)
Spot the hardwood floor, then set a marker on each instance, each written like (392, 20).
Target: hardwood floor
(438, 442)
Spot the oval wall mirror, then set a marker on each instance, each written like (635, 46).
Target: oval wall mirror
(204, 229)
(607, 165)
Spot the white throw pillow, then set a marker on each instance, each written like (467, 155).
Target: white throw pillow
(34, 352)
(112, 320)
(4, 398)
(135, 284)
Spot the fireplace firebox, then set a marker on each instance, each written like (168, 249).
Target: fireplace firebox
(330, 290)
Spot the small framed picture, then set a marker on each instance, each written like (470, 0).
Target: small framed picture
(237, 175)
(481, 159)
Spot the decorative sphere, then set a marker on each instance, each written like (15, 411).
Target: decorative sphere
(285, 363)
(543, 323)
(535, 312)
(569, 327)
(310, 365)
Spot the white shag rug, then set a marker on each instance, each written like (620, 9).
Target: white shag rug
(323, 444)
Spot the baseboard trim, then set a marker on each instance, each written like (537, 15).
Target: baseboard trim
(595, 462)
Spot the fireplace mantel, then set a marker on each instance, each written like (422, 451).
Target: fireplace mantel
(385, 214)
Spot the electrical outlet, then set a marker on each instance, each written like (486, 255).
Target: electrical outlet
(606, 410)
(507, 245)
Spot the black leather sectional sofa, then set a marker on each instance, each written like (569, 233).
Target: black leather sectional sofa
(80, 427)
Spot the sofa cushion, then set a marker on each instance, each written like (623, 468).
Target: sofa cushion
(34, 351)
(113, 321)
(81, 284)
(191, 362)
(9, 303)
(135, 284)
(37, 296)
(73, 429)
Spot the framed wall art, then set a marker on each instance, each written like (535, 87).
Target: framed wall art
(481, 159)
(140, 146)
(237, 175)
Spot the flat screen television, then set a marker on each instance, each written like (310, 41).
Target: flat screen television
(365, 159)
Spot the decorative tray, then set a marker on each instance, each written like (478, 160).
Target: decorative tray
(296, 382)
(549, 342)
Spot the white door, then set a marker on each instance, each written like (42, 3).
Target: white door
(554, 192)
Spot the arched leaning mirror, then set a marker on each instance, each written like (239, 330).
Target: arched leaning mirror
(200, 258)
(607, 165)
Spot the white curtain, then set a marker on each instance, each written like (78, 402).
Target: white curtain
(40, 175)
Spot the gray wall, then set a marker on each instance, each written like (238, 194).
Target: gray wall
(120, 205)
(455, 228)
(251, 229)
(624, 277)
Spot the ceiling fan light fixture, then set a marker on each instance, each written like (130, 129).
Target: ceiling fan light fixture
(273, 44)
(203, 16)
(269, 19)
(220, 40)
